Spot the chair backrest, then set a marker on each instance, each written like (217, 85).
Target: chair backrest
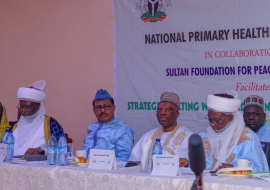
(266, 149)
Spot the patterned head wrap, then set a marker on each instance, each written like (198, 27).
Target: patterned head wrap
(102, 95)
(254, 100)
(170, 97)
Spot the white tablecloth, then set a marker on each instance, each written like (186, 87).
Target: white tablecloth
(41, 176)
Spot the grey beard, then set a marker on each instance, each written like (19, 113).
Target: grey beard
(221, 130)
(30, 118)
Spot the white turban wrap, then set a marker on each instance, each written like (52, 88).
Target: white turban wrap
(223, 143)
(33, 93)
(224, 104)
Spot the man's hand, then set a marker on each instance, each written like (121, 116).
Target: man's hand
(224, 165)
(183, 162)
(32, 151)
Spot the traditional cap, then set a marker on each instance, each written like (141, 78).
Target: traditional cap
(102, 95)
(224, 104)
(33, 93)
(170, 97)
(254, 100)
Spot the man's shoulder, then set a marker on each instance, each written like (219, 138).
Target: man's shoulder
(266, 127)
(183, 128)
(247, 136)
(51, 119)
(93, 126)
(119, 124)
(151, 131)
(114, 124)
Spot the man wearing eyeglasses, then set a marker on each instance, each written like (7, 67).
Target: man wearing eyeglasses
(173, 137)
(108, 132)
(34, 128)
(254, 117)
(226, 139)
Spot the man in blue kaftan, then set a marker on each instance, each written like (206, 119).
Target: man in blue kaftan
(254, 117)
(226, 139)
(108, 132)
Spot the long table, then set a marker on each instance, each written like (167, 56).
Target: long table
(41, 176)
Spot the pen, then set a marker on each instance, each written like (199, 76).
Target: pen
(182, 161)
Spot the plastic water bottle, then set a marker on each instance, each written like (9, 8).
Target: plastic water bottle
(10, 142)
(5, 136)
(52, 150)
(62, 150)
(157, 149)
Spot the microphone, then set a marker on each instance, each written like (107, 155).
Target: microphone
(196, 159)
(196, 154)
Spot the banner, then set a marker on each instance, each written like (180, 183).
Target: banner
(189, 47)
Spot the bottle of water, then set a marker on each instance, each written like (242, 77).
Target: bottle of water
(5, 136)
(5, 142)
(157, 149)
(62, 150)
(52, 150)
(10, 142)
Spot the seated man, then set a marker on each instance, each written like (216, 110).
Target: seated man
(254, 117)
(3, 121)
(34, 128)
(108, 132)
(173, 137)
(227, 139)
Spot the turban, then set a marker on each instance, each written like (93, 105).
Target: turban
(254, 100)
(224, 104)
(170, 97)
(33, 93)
(102, 95)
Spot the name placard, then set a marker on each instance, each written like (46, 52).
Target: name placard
(102, 159)
(166, 165)
(3, 151)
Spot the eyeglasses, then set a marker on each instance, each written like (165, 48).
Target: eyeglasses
(27, 108)
(214, 122)
(105, 107)
(254, 114)
(165, 110)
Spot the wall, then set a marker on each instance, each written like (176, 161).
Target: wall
(65, 42)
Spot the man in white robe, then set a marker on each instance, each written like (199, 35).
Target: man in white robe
(33, 130)
(173, 137)
(226, 139)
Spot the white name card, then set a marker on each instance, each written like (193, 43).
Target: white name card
(3, 151)
(102, 159)
(166, 165)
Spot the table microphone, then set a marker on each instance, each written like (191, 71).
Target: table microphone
(196, 159)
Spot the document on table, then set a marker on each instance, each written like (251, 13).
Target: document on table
(262, 175)
(165, 165)
(3, 151)
(102, 159)
(188, 171)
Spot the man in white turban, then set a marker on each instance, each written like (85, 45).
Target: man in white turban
(34, 128)
(226, 139)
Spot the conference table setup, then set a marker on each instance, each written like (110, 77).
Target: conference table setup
(135, 95)
(39, 175)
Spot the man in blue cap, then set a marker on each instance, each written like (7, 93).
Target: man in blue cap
(108, 132)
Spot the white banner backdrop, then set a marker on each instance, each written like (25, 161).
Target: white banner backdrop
(192, 48)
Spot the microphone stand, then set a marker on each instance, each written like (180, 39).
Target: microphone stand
(198, 183)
